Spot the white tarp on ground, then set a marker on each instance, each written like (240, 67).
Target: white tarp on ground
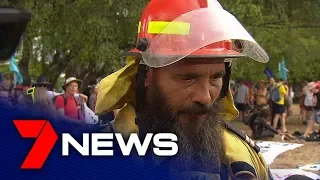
(270, 150)
(310, 167)
(90, 116)
(282, 174)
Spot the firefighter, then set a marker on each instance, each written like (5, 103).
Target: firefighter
(177, 80)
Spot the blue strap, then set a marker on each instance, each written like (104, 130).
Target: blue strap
(224, 172)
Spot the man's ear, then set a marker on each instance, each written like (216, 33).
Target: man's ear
(148, 79)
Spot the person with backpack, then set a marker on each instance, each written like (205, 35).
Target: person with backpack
(278, 95)
(314, 88)
(67, 104)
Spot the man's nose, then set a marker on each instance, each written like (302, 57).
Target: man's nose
(202, 93)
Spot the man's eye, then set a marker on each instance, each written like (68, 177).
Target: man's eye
(216, 81)
(187, 79)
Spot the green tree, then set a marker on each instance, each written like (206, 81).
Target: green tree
(78, 37)
(84, 38)
(287, 29)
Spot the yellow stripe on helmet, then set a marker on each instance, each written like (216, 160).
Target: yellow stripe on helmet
(161, 27)
(139, 26)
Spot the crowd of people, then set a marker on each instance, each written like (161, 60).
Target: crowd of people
(261, 106)
(68, 105)
(271, 103)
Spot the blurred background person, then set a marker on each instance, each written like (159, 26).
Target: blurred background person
(261, 94)
(301, 102)
(6, 86)
(69, 105)
(308, 100)
(278, 106)
(16, 93)
(315, 115)
(242, 99)
(289, 100)
(270, 88)
(28, 98)
(93, 98)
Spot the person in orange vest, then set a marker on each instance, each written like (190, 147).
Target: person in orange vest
(177, 81)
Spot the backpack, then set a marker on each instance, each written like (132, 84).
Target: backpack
(275, 94)
(65, 99)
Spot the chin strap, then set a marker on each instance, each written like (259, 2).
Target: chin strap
(140, 96)
(226, 80)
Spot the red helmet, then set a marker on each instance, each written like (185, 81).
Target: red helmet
(188, 28)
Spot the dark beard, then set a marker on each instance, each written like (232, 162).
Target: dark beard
(200, 145)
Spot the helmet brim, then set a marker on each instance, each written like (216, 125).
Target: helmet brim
(201, 53)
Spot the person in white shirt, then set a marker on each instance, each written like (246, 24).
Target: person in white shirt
(241, 98)
(308, 100)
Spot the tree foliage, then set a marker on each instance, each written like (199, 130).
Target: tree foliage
(84, 38)
(286, 29)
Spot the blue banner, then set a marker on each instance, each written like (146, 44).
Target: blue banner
(14, 68)
(283, 70)
(268, 72)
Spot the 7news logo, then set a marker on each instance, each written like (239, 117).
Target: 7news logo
(45, 136)
(165, 144)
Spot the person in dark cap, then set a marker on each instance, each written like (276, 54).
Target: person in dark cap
(42, 81)
(29, 97)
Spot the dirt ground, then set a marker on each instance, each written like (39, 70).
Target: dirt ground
(307, 154)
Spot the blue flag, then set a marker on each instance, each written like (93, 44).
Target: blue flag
(268, 72)
(14, 68)
(283, 70)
